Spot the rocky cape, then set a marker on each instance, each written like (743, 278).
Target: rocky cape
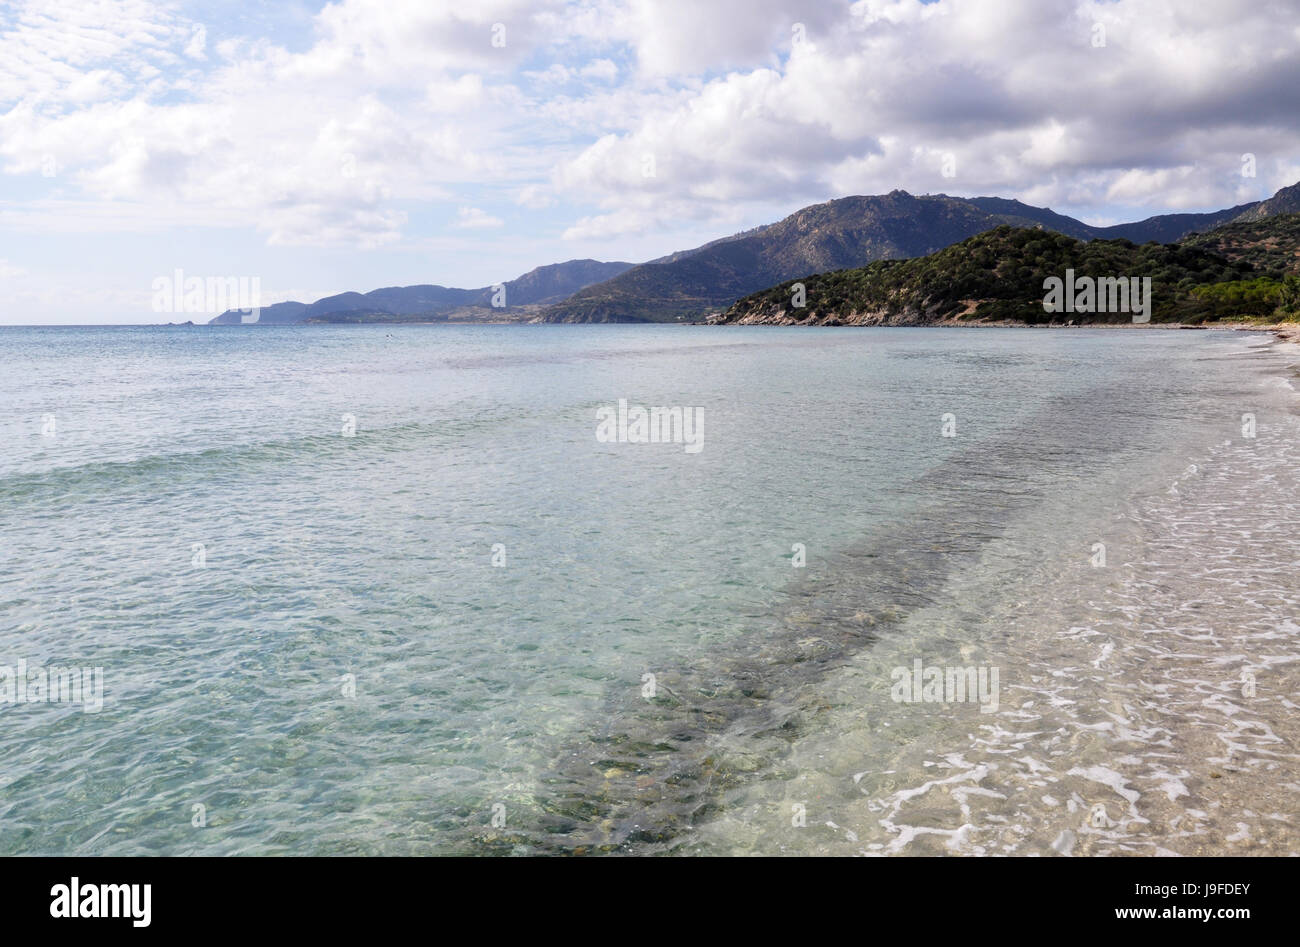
(1000, 277)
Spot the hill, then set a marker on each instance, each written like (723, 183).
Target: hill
(1285, 201)
(1270, 244)
(840, 234)
(426, 303)
(995, 276)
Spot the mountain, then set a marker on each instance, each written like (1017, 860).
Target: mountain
(683, 254)
(280, 314)
(1168, 228)
(549, 284)
(1163, 228)
(994, 276)
(841, 234)
(1285, 201)
(545, 284)
(401, 300)
(1019, 214)
(1270, 244)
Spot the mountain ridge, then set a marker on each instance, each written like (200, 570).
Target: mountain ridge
(539, 286)
(846, 233)
(843, 233)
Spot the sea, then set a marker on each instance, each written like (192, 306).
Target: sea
(648, 589)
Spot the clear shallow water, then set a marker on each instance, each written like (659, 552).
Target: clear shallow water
(520, 686)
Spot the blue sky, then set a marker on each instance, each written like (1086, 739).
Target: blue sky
(358, 144)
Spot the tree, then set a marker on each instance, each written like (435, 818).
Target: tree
(1290, 295)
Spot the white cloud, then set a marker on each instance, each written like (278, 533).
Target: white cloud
(535, 198)
(627, 117)
(48, 51)
(321, 147)
(471, 218)
(688, 37)
(602, 69)
(198, 42)
(1013, 88)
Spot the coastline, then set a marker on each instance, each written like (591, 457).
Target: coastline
(1285, 332)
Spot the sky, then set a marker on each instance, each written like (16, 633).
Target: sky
(325, 147)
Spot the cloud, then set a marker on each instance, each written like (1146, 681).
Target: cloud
(59, 55)
(321, 147)
(686, 37)
(535, 198)
(1014, 90)
(621, 118)
(471, 218)
(602, 69)
(198, 42)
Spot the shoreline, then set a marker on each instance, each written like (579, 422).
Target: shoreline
(1129, 727)
(1284, 332)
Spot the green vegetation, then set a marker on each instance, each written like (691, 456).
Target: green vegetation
(1271, 245)
(1262, 298)
(1289, 297)
(999, 275)
(360, 316)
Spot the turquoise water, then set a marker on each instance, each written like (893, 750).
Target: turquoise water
(346, 670)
